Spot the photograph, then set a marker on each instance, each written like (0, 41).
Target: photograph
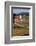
(20, 22)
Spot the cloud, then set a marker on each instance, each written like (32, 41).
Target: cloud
(20, 10)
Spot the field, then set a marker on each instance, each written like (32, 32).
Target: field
(21, 29)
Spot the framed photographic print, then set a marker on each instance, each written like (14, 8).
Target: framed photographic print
(19, 22)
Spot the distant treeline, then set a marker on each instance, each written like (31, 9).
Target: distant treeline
(22, 13)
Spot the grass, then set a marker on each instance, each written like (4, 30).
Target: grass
(21, 29)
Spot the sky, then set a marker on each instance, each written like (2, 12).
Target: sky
(20, 10)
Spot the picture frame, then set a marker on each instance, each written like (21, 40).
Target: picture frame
(19, 22)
